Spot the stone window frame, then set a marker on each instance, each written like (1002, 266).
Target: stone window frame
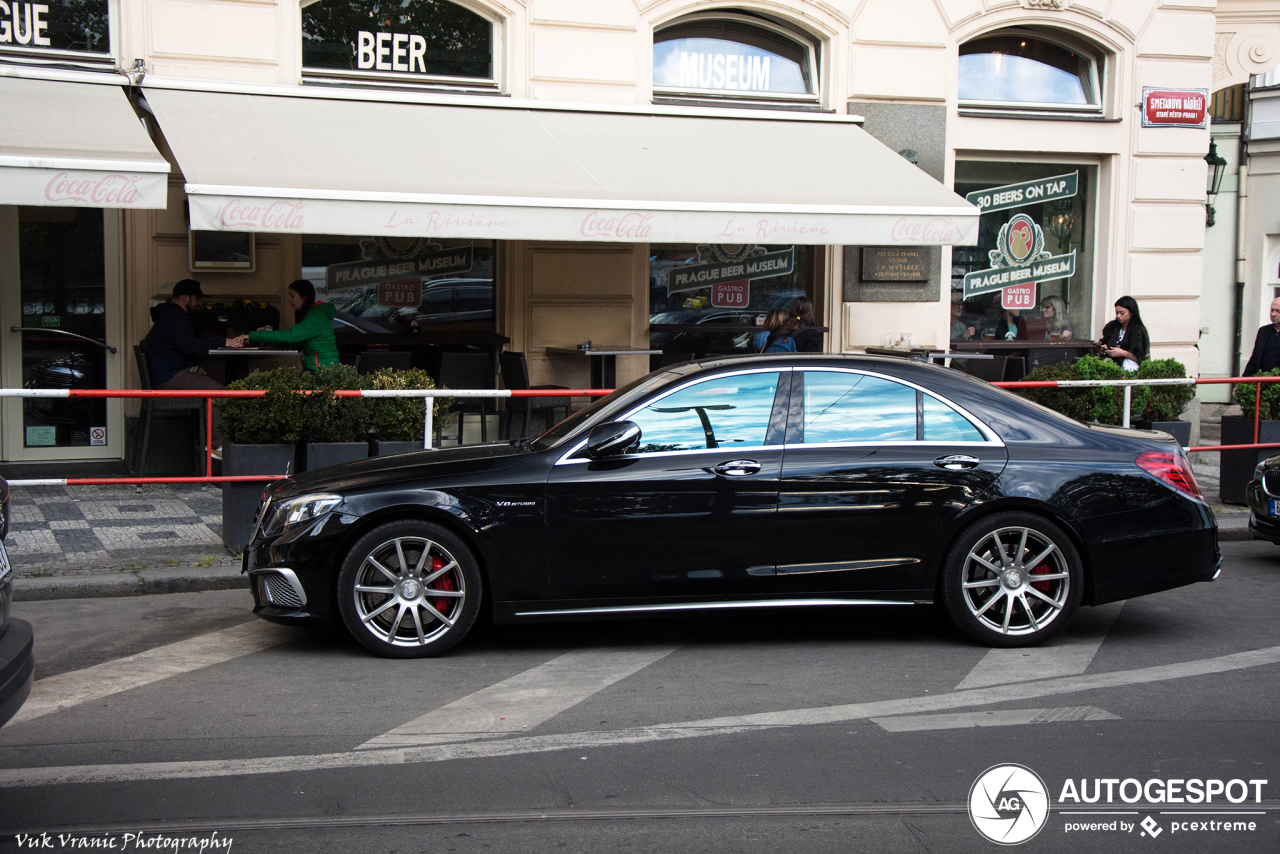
(1101, 70)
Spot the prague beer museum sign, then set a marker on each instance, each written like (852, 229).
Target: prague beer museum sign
(1019, 258)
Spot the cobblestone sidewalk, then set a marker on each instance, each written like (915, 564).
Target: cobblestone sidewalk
(76, 530)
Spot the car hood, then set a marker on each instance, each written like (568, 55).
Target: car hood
(415, 466)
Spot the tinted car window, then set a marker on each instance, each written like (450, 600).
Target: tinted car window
(944, 424)
(843, 407)
(725, 412)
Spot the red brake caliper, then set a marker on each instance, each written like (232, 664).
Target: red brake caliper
(444, 582)
(1042, 569)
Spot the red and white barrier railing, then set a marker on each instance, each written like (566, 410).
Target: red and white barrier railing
(211, 394)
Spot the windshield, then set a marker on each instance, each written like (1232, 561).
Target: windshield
(599, 411)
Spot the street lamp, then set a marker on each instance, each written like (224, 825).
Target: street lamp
(1217, 166)
(1061, 222)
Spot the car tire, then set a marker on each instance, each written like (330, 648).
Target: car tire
(991, 581)
(409, 589)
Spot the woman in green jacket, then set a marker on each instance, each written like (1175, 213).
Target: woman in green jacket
(311, 330)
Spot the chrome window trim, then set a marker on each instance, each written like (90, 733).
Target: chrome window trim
(896, 443)
(778, 369)
(993, 439)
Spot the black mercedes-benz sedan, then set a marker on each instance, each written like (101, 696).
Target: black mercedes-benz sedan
(1262, 495)
(17, 660)
(744, 482)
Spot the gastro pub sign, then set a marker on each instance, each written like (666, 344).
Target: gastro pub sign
(56, 26)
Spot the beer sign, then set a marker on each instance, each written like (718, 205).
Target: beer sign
(1025, 193)
(1018, 296)
(401, 293)
(1019, 259)
(55, 26)
(731, 294)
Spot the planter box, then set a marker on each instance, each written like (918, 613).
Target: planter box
(1238, 466)
(1180, 430)
(240, 500)
(378, 448)
(315, 455)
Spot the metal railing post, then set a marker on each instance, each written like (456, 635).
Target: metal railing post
(208, 437)
(1128, 400)
(1257, 409)
(426, 422)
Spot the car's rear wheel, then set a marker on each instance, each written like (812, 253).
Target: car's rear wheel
(409, 590)
(1012, 579)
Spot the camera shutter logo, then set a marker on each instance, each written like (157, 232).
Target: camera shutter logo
(1008, 804)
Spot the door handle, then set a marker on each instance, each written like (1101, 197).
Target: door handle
(956, 462)
(738, 468)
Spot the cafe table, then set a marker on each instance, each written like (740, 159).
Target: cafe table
(604, 360)
(237, 359)
(1024, 348)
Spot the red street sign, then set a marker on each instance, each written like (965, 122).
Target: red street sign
(1175, 108)
(400, 293)
(731, 294)
(1018, 296)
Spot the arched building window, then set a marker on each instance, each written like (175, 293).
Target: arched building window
(425, 41)
(1028, 69)
(734, 56)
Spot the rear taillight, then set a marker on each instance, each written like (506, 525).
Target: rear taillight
(1172, 469)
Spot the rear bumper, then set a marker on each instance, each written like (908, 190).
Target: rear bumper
(17, 667)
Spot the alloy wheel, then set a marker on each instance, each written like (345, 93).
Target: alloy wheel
(1016, 581)
(409, 591)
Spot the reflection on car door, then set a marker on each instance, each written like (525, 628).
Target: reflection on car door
(690, 511)
(874, 470)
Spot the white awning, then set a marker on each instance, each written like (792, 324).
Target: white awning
(331, 164)
(76, 144)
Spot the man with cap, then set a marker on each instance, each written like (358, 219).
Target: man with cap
(172, 346)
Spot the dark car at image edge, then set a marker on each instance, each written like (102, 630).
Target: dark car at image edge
(17, 658)
(1262, 496)
(744, 482)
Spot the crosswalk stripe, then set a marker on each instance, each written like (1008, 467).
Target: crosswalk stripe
(65, 690)
(1001, 717)
(1067, 655)
(656, 733)
(525, 700)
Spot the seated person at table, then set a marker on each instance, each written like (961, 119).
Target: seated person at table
(961, 330)
(1057, 323)
(172, 347)
(311, 329)
(1011, 326)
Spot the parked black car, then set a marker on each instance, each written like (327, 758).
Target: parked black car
(1263, 497)
(17, 660)
(744, 482)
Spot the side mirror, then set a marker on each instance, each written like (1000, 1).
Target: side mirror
(606, 440)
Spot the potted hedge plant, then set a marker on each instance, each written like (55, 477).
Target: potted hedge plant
(1164, 403)
(1237, 466)
(260, 436)
(396, 424)
(335, 426)
(1103, 404)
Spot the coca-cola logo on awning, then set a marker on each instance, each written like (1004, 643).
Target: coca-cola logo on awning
(924, 231)
(110, 190)
(268, 216)
(628, 226)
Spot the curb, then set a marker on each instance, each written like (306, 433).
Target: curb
(142, 583)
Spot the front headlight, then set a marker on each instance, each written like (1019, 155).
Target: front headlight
(1257, 470)
(298, 511)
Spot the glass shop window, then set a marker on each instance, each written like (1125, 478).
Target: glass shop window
(1032, 219)
(713, 298)
(75, 29)
(400, 286)
(1025, 70)
(738, 57)
(423, 41)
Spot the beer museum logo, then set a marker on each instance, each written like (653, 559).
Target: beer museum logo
(1019, 259)
(1009, 804)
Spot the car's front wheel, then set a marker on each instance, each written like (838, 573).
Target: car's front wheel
(1012, 579)
(409, 590)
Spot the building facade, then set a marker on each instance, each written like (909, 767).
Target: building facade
(581, 170)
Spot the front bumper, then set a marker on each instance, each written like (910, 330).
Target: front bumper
(292, 575)
(1262, 524)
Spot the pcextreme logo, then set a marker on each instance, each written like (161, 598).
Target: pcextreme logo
(1008, 804)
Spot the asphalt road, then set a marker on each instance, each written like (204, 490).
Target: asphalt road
(161, 719)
